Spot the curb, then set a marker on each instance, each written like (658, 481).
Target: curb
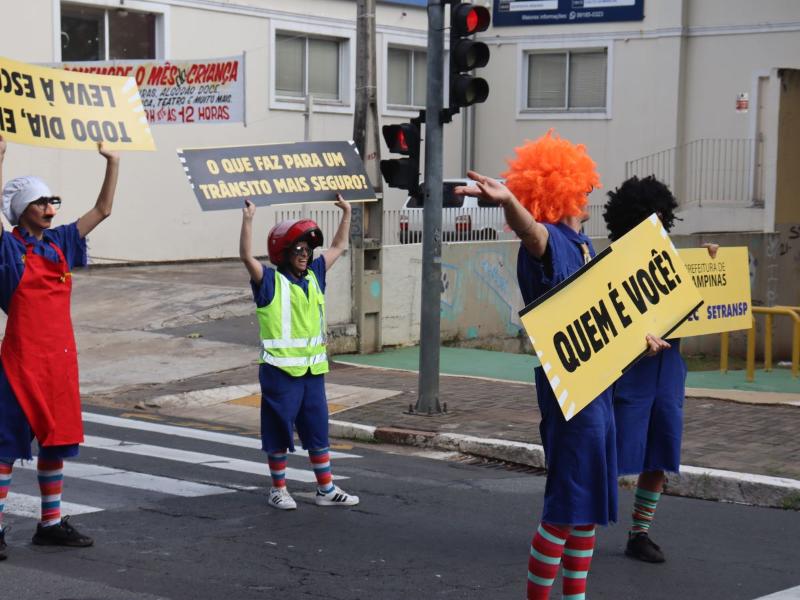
(692, 482)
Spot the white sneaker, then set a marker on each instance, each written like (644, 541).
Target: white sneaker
(336, 497)
(281, 498)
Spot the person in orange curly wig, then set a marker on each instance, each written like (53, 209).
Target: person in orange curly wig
(551, 178)
(544, 202)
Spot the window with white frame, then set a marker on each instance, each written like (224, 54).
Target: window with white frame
(406, 77)
(572, 80)
(93, 33)
(308, 65)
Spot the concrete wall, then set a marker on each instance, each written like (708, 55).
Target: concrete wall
(481, 299)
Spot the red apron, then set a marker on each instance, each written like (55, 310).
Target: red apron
(39, 354)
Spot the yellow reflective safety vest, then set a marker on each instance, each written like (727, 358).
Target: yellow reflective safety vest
(293, 328)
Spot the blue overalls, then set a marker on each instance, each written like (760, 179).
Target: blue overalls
(580, 453)
(288, 402)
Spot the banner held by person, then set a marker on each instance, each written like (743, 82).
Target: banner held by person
(55, 108)
(592, 327)
(724, 285)
(293, 173)
(181, 91)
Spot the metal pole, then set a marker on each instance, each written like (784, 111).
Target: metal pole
(367, 221)
(428, 400)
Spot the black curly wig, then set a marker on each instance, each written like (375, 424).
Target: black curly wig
(634, 201)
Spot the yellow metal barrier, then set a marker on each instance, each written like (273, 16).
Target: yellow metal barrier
(769, 313)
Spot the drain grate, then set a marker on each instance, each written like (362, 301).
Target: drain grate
(492, 463)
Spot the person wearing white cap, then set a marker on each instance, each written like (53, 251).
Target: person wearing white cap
(39, 394)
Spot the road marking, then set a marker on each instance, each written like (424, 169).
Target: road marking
(142, 481)
(196, 458)
(24, 505)
(790, 594)
(195, 434)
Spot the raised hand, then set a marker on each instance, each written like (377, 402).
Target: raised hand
(488, 189)
(249, 210)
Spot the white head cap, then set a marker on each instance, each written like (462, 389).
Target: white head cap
(20, 192)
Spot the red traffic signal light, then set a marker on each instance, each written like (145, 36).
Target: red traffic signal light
(402, 173)
(467, 54)
(401, 138)
(467, 19)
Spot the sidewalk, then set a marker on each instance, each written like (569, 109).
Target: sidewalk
(735, 451)
(738, 451)
(184, 345)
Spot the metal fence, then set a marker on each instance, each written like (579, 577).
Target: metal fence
(708, 171)
(470, 224)
(404, 225)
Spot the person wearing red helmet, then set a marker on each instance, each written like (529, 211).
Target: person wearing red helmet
(290, 305)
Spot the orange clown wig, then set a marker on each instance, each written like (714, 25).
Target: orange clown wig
(551, 177)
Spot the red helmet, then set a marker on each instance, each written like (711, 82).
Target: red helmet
(288, 233)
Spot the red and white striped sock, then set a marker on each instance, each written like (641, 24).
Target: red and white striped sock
(50, 473)
(6, 466)
(577, 559)
(547, 547)
(277, 468)
(321, 463)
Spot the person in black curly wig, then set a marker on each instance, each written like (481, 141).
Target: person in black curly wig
(648, 398)
(634, 201)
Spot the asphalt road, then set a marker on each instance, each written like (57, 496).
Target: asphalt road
(427, 527)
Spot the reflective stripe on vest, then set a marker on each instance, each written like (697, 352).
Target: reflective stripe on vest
(295, 355)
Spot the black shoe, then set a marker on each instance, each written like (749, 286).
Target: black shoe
(641, 547)
(62, 534)
(3, 545)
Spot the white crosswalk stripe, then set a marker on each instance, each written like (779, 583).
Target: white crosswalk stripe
(142, 481)
(188, 432)
(214, 461)
(25, 505)
(28, 505)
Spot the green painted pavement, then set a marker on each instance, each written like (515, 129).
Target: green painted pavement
(777, 380)
(453, 361)
(518, 367)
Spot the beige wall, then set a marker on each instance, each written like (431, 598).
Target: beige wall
(156, 216)
(787, 193)
(673, 78)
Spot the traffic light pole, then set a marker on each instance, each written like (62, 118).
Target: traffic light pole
(428, 399)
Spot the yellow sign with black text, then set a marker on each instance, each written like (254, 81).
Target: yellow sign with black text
(724, 285)
(55, 108)
(589, 329)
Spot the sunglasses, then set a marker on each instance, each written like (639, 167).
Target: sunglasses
(301, 251)
(44, 202)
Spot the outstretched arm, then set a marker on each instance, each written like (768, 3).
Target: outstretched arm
(2, 158)
(533, 235)
(253, 267)
(342, 237)
(102, 208)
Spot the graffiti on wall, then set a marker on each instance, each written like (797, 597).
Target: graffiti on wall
(451, 301)
(499, 287)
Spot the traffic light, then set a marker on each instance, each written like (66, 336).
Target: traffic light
(466, 54)
(402, 173)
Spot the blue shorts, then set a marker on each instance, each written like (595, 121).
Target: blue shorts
(16, 434)
(581, 459)
(648, 410)
(292, 402)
